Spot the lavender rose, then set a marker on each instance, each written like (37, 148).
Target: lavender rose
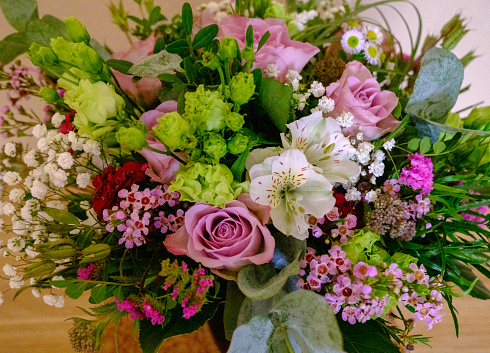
(222, 239)
(359, 93)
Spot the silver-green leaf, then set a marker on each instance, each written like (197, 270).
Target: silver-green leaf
(156, 64)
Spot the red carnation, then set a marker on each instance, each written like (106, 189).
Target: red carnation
(108, 184)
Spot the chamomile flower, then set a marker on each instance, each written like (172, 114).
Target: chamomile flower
(351, 24)
(371, 53)
(373, 34)
(353, 41)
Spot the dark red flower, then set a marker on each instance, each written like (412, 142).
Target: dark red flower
(108, 184)
(66, 127)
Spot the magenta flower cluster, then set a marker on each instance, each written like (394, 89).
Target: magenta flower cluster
(420, 175)
(84, 273)
(363, 292)
(133, 217)
(146, 311)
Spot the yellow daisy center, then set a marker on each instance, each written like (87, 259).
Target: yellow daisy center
(372, 35)
(373, 52)
(353, 41)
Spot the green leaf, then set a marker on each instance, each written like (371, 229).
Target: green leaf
(152, 336)
(205, 36)
(41, 31)
(249, 36)
(479, 290)
(12, 46)
(234, 300)
(169, 78)
(413, 144)
(238, 166)
(180, 47)
(439, 147)
(187, 20)
(19, 12)
(75, 290)
(425, 145)
(56, 23)
(437, 86)
(61, 216)
(366, 337)
(159, 45)
(301, 321)
(100, 293)
(253, 286)
(276, 100)
(122, 66)
(263, 40)
(190, 70)
(156, 64)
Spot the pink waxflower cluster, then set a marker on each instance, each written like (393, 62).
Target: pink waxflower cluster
(143, 311)
(188, 289)
(345, 227)
(133, 217)
(350, 289)
(84, 273)
(420, 175)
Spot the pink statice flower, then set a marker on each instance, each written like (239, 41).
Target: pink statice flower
(420, 175)
(350, 221)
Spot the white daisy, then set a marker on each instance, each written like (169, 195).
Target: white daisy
(373, 34)
(371, 53)
(352, 42)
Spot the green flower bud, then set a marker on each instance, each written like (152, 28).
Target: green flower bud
(211, 60)
(228, 49)
(87, 58)
(42, 56)
(242, 87)
(95, 252)
(76, 30)
(193, 154)
(238, 143)
(59, 252)
(39, 269)
(172, 130)
(248, 54)
(234, 121)
(50, 95)
(214, 145)
(277, 10)
(131, 138)
(206, 109)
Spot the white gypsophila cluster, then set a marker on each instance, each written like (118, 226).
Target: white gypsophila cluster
(36, 292)
(379, 156)
(302, 18)
(363, 152)
(16, 282)
(76, 143)
(65, 160)
(3, 228)
(39, 131)
(317, 89)
(30, 159)
(16, 244)
(31, 251)
(388, 145)
(57, 301)
(371, 196)
(360, 136)
(327, 9)
(326, 105)
(10, 149)
(83, 180)
(301, 100)
(92, 147)
(346, 119)
(8, 209)
(292, 78)
(57, 278)
(377, 169)
(11, 178)
(353, 195)
(271, 71)
(9, 270)
(57, 119)
(19, 227)
(218, 10)
(16, 195)
(38, 189)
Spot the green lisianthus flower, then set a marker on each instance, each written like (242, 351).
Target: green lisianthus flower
(242, 88)
(234, 121)
(132, 138)
(238, 143)
(76, 30)
(212, 184)
(206, 109)
(94, 104)
(172, 130)
(214, 145)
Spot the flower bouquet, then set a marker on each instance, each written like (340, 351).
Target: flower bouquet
(287, 162)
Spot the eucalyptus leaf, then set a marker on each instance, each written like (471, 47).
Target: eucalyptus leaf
(156, 64)
(276, 100)
(12, 46)
(300, 322)
(251, 308)
(437, 86)
(19, 12)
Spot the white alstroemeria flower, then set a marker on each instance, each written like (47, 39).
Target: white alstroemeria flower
(293, 189)
(324, 146)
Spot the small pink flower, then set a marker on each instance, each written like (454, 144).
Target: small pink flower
(351, 221)
(343, 231)
(362, 270)
(333, 215)
(418, 274)
(391, 186)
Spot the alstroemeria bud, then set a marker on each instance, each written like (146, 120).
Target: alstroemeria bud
(228, 49)
(50, 95)
(39, 269)
(42, 56)
(95, 252)
(76, 30)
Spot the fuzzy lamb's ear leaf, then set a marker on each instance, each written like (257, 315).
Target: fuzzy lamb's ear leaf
(437, 86)
(300, 322)
(156, 64)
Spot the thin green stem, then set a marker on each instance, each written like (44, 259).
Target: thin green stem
(170, 154)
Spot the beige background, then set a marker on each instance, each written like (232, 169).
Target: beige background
(29, 326)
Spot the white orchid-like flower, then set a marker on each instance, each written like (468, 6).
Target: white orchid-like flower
(293, 189)
(296, 181)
